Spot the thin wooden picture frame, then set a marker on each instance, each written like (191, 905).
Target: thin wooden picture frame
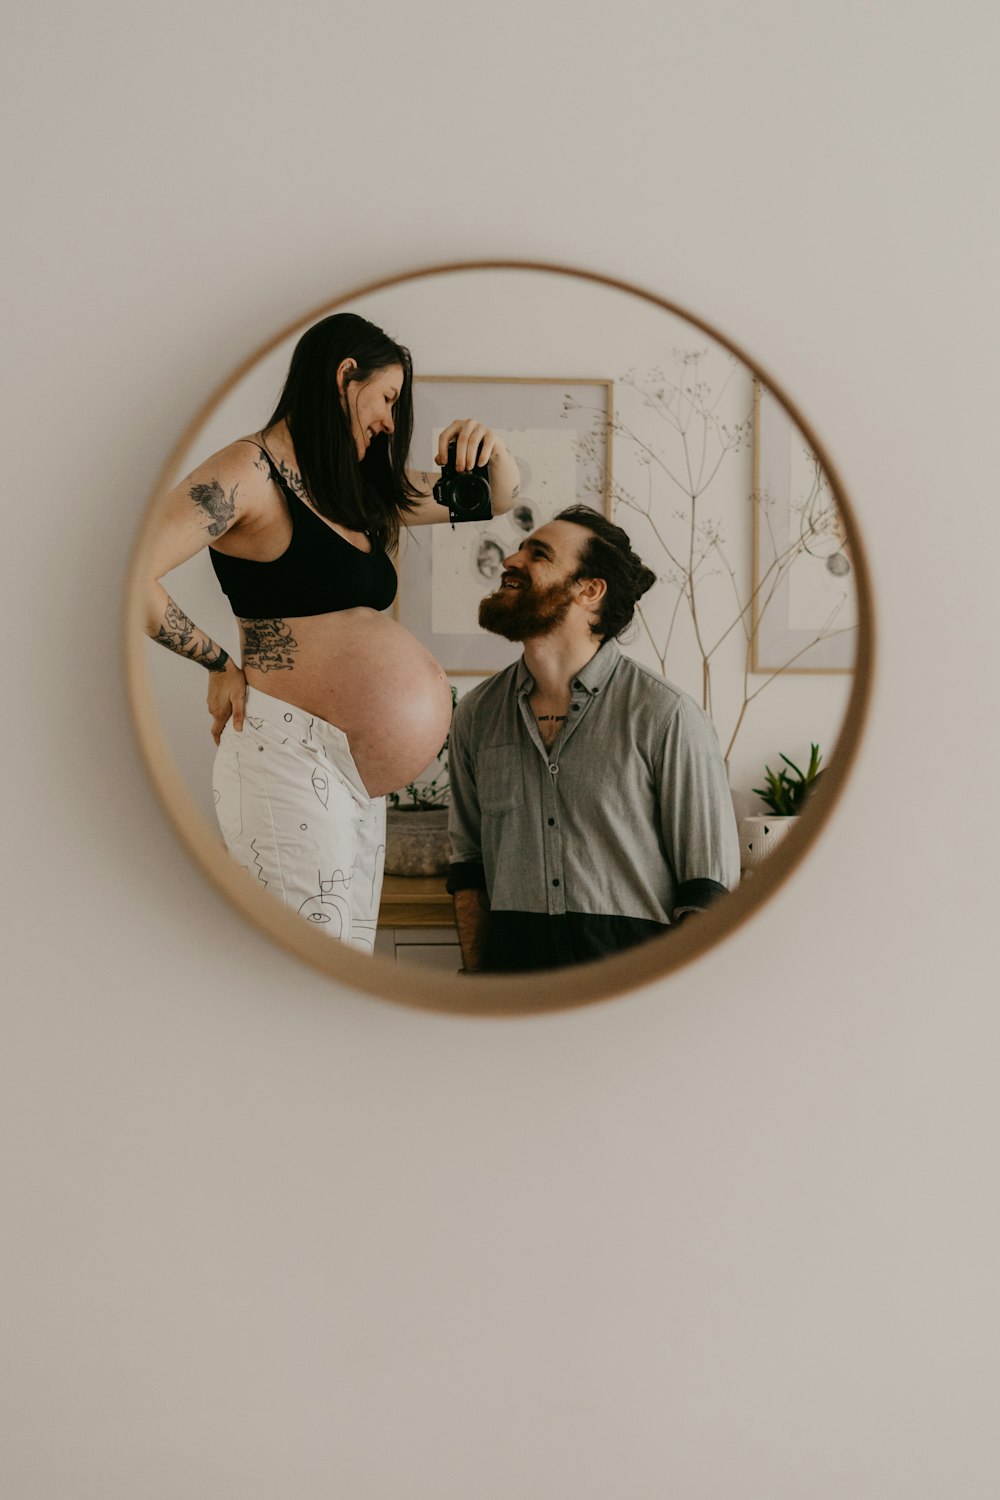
(805, 598)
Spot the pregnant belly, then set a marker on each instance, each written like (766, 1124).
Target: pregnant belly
(368, 675)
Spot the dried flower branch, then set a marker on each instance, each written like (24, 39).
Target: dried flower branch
(682, 461)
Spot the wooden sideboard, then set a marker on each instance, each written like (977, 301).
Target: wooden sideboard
(415, 901)
(416, 923)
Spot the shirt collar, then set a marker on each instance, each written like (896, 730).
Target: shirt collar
(590, 678)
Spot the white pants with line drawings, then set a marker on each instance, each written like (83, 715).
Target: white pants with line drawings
(295, 814)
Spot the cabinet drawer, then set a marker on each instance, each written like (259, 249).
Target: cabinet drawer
(446, 956)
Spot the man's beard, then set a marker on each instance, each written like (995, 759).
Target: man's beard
(518, 614)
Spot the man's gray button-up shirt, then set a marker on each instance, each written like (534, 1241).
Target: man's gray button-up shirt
(625, 810)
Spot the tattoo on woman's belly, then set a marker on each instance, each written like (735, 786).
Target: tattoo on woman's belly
(268, 645)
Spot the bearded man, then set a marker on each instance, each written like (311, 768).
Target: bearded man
(590, 808)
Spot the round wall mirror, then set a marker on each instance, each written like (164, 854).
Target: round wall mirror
(760, 614)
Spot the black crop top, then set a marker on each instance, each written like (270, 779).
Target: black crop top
(318, 573)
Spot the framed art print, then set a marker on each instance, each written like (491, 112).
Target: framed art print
(805, 611)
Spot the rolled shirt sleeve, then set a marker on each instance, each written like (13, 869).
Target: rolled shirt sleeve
(696, 810)
(466, 870)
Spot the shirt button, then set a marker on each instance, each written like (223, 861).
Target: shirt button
(576, 708)
(554, 769)
(555, 882)
(552, 822)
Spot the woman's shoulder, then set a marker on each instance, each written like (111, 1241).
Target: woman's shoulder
(244, 462)
(233, 484)
(272, 456)
(238, 460)
(245, 455)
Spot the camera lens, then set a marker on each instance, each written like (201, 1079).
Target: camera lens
(469, 494)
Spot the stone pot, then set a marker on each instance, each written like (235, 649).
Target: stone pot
(416, 841)
(759, 835)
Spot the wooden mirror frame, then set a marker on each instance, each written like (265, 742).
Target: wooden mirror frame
(484, 995)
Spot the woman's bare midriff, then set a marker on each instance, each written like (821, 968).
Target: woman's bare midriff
(365, 673)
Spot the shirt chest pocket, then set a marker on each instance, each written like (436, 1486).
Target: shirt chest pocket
(499, 780)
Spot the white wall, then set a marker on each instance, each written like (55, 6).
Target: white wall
(733, 1235)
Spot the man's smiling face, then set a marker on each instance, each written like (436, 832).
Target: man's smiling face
(539, 584)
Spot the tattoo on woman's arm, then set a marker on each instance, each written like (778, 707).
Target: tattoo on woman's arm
(180, 634)
(217, 505)
(268, 645)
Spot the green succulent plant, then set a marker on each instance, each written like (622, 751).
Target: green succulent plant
(785, 795)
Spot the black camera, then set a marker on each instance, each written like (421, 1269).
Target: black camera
(467, 495)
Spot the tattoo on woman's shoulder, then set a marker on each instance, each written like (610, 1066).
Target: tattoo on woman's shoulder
(268, 645)
(217, 505)
(293, 479)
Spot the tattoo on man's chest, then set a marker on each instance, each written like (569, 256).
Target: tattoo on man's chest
(217, 505)
(268, 645)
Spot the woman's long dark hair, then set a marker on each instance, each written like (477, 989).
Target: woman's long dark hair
(370, 494)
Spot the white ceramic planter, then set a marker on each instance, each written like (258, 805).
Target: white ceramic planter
(760, 834)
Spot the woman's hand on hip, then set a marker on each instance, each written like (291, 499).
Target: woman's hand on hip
(227, 696)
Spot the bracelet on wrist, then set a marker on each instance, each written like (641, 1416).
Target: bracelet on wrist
(220, 663)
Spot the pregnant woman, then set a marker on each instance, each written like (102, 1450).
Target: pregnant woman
(335, 703)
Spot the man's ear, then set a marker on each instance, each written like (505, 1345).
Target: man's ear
(343, 369)
(592, 591)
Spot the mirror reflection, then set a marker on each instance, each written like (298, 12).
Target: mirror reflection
(573, 514)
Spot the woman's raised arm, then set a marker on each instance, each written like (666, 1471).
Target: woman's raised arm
(474, 445)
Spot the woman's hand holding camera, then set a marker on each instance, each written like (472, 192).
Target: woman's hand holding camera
(475, 445)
